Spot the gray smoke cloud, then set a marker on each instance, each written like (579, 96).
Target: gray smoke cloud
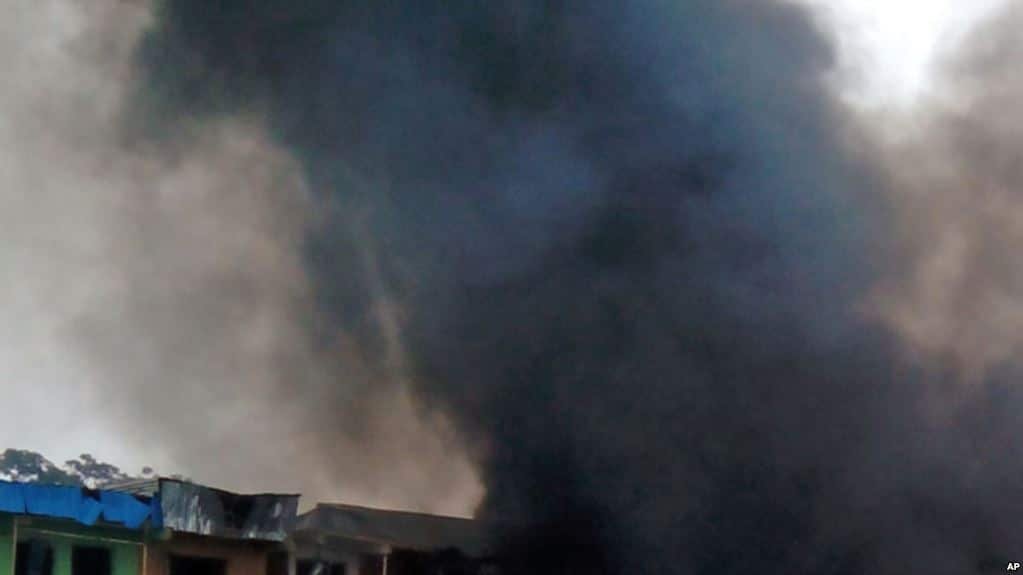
(633, 245)
(956, 185)
(56, 112)
(631, 265)
(161, 285)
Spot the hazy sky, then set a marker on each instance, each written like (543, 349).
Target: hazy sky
(169, 301)
(48, 275)
(66, 62)
(890, 47)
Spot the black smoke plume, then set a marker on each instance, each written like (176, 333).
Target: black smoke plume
(631, 244)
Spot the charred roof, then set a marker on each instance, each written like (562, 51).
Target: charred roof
(395, 529)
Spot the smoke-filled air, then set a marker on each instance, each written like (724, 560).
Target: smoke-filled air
(629, 281)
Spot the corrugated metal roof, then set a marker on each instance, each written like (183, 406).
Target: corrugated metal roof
(151, 487)
(193, 508)
(397, 529)
(147, 487)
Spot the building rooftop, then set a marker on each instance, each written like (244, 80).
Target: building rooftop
(145, 487)
(396, 529)
(192, 508)
(86, 506)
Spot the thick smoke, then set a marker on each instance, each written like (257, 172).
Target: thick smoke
(58, 101)
(633, 251)
(157, 286)
(956, 180)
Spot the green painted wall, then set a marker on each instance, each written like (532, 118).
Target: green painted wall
(125, 558)
(6, 545)
(61, 550)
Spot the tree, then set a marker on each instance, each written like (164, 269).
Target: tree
(28, 466)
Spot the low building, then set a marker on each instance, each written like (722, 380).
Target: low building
(337, 539)
(207, 531)
(63, 530)
(173, 527)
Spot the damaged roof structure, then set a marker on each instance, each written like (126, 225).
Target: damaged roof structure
(338, 539)
(152, 527)
(174, 527)
(208, 531)
(192, 508)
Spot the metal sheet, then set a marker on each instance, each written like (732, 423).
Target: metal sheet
(193, 508)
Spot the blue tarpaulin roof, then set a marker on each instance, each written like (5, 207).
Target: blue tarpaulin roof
(82, 505)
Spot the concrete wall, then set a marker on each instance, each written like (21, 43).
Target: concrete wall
(242, 557)
(359, 557)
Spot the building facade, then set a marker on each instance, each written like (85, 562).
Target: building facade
(173, 527)
(207, 531)
(60, 530)
(158, 527)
